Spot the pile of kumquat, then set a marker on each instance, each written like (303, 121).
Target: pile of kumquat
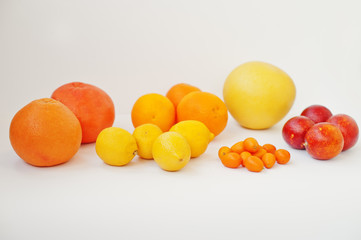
(248, 153)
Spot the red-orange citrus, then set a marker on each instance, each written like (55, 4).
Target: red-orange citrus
(90, 104)
(45, 133)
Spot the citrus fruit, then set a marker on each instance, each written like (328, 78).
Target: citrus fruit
(231, 160)
(178, 91)
(171, 151)
(90, 104)
(254, 164)
(244, 155)
(223, 151)
(45, 133)
(260, 152)
(270, 148)
(145, 136)
(115, 146)
(258, 94)
(348, 127)
(238, 147)
(268, 160)
(251, 145)
(282, 156)
(153, 108)
(323, 141)
(206, 108)
(196, 133)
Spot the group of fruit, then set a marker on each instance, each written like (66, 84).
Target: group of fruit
(322, 134)
(175, 127)
(171, 150)
(253, 156)
(182, 102)
(49, 131)
(169, 129)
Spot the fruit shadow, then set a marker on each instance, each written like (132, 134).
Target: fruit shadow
(138, 161)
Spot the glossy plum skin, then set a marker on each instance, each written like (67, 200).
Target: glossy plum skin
(295, 129)
(317, 113)
(348, 127)
(324, 141)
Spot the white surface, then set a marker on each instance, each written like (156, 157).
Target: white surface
(129, 48)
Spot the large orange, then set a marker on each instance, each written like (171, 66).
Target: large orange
(178, 91)
(204, 107)
(90, 104)
(45, 133)
(153, 108)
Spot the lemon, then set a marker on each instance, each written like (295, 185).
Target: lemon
(171, 151)
(115, 146)
(145, 136)
(196, 133)
(258, 94)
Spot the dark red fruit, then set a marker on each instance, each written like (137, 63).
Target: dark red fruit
(317, 113)
(324, 141)
(295, 129)
(348, 127)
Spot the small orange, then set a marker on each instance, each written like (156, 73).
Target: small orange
(231, 160)
(269, 148)
(223, 151)
(268, 160)
(153, 108)
(254, 164)
(45, 133)
(251, 145)
(238, 147)
(260, 152)
(178, 91)
(282, 156)
(244, 155)
(204, 107)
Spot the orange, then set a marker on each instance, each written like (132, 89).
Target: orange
(260, 152)
(223, 151)
(153, 108)
(251, 145)
(238, 147)
(282, 156)
(269, 160)
(204, 107)
(254, 164)
(178, 91)
(231, 160)
(270, 148)
(45, 133)
(90, 104)
(244, 155)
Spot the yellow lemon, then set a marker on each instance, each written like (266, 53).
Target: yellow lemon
(115, 146)
(258, 94)
(145, 136)
(196, 133)
(171, 151)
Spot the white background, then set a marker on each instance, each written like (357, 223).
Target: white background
(129, 48)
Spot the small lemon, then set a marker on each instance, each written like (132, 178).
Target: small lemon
(196, 133)
(115, 146)
(171, 151)
(145, 136)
